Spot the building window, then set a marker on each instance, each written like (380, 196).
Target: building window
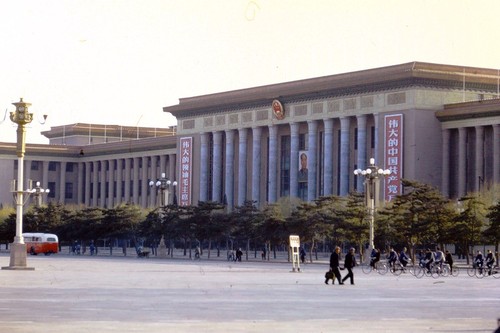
(35, 165)
(372, 141)
(285, 166)
(210, 167)
(52, 187)
(302, 141)
(356, 138)
(52, 166)
(70, 167)
(68, 191)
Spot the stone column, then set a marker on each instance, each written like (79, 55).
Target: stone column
(111, 183)
(127, 180)
(45, 175)
(344, 156)
(144, 182)
(102, 199)
(154, 177)
(312, 160)
(95, 182)
(135, 182)
(496, 154)
(79, 185)
(462, 166)
(62, 183)
(204, 158)
(229, 170)
(445, 182)
(361, 158)
(256, 158)
(273, 163)
(242, 166)
(479, 167)
(294, 160)
(119, 180)
(328, 160)
(217, 167)
(88, 181)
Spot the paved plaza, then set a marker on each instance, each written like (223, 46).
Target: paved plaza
(126, 294)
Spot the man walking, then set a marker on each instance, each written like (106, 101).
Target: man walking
(349, 263)
(334, 265)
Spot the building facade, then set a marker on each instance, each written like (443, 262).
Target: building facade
(94, 165)
(437, 124)
(425, 122)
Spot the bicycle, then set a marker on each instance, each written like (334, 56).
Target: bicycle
(398, 268)
(454, 270)
(440, 269)
(476, 270)
(380, 267)
(493, 271)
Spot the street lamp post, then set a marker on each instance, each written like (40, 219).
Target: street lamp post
(37, 192)
(163, 185)
(372, 176)
(18, 249)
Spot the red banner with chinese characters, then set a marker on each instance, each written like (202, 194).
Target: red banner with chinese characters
(393, 155)
(186, 161)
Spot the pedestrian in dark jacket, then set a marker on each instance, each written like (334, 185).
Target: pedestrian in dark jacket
(335, 265)
(349, 263)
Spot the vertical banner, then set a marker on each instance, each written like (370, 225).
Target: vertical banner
(393, 155)
(186, 160)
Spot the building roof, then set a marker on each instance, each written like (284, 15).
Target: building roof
(371, 80)
(125, 132)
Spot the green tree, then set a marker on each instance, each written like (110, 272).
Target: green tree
(492, 231)
(469, 223)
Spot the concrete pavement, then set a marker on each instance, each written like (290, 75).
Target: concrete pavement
(127, 294)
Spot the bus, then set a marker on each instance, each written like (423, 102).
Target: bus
(38, 242)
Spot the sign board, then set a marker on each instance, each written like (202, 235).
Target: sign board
(294, 249)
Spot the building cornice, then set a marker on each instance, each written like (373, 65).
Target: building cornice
(366, 81)
(469, 110)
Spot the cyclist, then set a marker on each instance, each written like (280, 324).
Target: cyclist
(428, 259)
(479, 261)
(403, 257)
(392, 258)
(439, 257)
(449, 260)
(490, 261)
(375, 257)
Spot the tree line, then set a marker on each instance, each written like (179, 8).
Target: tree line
(418, 218)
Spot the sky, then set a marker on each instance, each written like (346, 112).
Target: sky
(121, 61)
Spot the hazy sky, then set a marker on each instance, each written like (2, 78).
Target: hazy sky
(121, 61)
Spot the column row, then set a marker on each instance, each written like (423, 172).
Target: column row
(217, 178)
(471, 159)
(107, 183)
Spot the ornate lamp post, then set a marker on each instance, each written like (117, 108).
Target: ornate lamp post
(37, 193)
(163, 185)
(372, 176)
(18, 249)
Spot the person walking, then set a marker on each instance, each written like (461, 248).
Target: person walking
(349, 264)
(335, 265)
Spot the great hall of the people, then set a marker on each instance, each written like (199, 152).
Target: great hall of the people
(437, 124)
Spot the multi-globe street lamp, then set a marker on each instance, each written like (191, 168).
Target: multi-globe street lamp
(18, 248)
(163, 185)
(37, 192)
(372, 176)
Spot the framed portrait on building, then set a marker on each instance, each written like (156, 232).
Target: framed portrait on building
(303, 171)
